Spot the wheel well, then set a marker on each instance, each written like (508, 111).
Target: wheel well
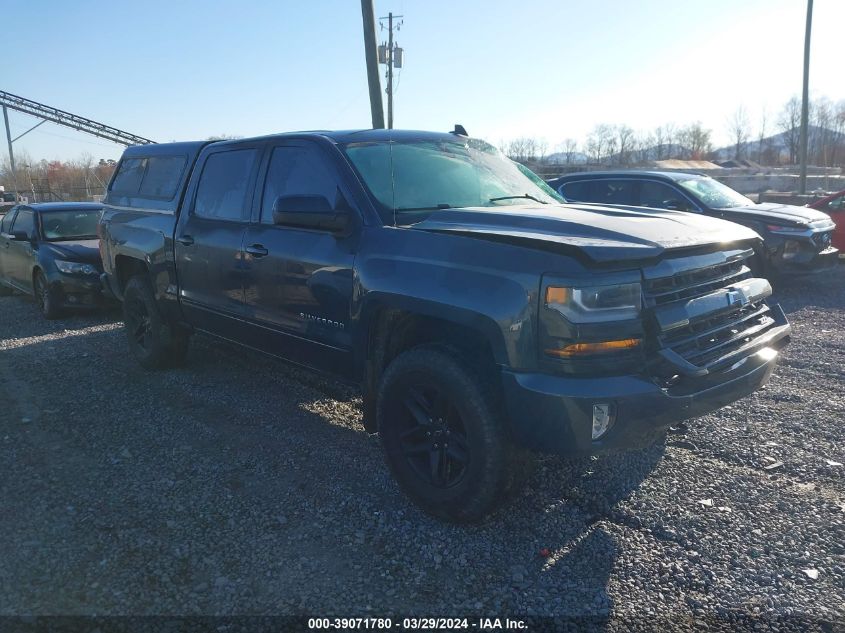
(126, 268)
(35, 270)
(395, 331)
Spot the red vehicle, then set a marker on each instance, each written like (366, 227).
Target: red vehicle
(834, 206)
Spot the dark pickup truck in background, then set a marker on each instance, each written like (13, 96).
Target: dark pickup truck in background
(797, 240)
(479, 315)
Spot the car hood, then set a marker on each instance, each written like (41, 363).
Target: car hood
(601, 233)
(84, 251)
(774, 212)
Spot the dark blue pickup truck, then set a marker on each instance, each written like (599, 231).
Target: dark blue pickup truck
(481, 317)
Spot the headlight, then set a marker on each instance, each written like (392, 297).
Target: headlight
(785, 230)
(75, 268)
(596, 304)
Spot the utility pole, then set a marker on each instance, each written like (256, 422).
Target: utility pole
(392, 56)
(370, 50)
(11, 152)
(389, 71)
(805, 102)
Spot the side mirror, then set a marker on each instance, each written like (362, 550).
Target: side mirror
(19, 236)
(674, 205)
(310, 212)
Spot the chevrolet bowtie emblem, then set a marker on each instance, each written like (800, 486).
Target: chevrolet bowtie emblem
(736, 297)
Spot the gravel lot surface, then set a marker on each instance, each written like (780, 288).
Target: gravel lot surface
(237, 485)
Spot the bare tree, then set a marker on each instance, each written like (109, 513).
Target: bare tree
(821, 121)
(837, 157)
(695, 141)
(789, 123)
(519, 149)
(568, 148)
(625, 144)
(739, 128)
(644, 147)
(598, 142)
(761, 137)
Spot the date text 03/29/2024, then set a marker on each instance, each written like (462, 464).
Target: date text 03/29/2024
(422, 624)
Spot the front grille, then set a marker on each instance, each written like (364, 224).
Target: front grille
(823, 240)
(714, 339)
(694, 283)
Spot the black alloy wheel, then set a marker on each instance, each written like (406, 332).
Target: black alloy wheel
(44, 297)
(138, 324)
(433, 438)
(444, 433)
(155, 342)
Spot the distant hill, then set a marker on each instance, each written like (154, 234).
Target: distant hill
(560, 158)
(778, 143)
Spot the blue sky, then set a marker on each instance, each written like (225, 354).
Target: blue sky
(549, 69)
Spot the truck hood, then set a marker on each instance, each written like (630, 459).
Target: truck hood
(82, 251)
(774, 212)
(601, 233)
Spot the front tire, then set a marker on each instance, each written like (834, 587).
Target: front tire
(444, 435)
(47, 299)
(155, 343)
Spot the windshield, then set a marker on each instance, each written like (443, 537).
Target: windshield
(714, 194)
(411, 179)
(79, 224)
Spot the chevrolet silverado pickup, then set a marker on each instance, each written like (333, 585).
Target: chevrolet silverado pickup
(481, 317)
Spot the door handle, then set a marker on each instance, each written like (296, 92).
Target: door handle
(185, 240)
(257, 250)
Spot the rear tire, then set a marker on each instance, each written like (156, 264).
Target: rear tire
(444, 435)
(155, 343)
(47, 299)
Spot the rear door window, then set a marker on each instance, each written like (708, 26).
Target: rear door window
(24, 222)
(6, 222)
(224, 188)
(613, 192)
(129, 175)
(163, 176)
(578, 191)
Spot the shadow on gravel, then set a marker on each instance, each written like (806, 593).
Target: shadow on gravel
(33, 324)
(822, 291)
(239, 484)
(567, 513)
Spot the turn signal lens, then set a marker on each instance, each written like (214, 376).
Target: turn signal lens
(586, 349)
(557, 294)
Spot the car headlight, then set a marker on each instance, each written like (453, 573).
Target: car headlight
(596, 304)
(785, 230)
(75, 268)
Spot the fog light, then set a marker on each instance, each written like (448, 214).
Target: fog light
(790, 249)
(602, 419)
(767, 353)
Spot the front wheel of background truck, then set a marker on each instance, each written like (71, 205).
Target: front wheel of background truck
(444, 435)
(154, 343)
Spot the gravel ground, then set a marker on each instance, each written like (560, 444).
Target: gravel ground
(237, 485)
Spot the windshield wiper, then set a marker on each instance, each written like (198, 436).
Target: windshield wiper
(525, 195)
(441, 205)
